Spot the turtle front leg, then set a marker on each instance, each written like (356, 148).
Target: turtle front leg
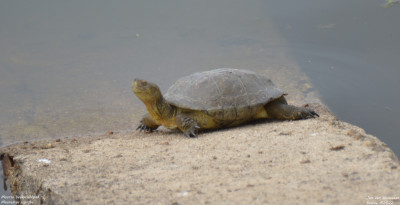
(187, 125)
(147, 124)
(279, 109)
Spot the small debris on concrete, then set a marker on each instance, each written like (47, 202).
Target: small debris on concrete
(47, 146)
(337, 148)
(306, 161)
(46, 161)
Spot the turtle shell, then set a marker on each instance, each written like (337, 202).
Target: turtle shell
(221, 89)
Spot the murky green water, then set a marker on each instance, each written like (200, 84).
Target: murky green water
(66, 66)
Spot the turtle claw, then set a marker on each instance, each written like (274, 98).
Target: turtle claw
(191, 131)
(144, 128)
(307, 113)
(190, 134)
(314, 114)
(187, 125)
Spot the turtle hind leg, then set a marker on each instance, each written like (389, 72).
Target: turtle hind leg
(279, 109)
(187, 125)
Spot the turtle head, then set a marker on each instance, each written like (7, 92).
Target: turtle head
(146, 91)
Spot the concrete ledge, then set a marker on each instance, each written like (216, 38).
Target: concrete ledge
(311, 161)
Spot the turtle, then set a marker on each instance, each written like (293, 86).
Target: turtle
(219, 98)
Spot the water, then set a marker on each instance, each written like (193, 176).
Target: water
(66, 66)
(350, 51)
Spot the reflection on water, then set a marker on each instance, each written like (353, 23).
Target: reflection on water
(66, 67)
